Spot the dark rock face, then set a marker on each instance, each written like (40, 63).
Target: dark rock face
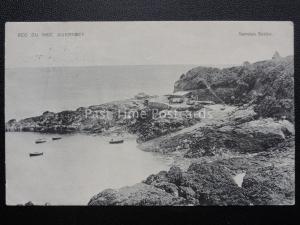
(168, 187)
(189, 194)
(151, 126)
(253, 83)
(175, 175)
(213, 185)
(100, 118)
(236, 139)
(234, 136)
(139, 194)
(11, 125)
(93, 119)
(157, 178)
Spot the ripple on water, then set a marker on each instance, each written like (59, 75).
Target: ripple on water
(74, 168)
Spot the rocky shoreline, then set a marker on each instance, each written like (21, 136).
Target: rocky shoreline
(244, 154)
(269, 180)
(262, 149)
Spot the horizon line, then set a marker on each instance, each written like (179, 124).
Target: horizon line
(107, 65)
(62, 66)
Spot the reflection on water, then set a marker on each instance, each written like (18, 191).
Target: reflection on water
(72, 169)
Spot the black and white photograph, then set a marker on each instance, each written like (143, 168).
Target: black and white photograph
(149, 113)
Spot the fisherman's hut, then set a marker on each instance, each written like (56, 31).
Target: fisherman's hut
(179, 97)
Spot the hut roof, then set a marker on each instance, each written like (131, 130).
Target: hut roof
(180, 93)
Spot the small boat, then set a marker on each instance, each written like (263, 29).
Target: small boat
(56, 138)
(39, 141)
(36, 154)
(116, 141)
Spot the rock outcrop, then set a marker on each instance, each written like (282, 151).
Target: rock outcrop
(93, 119)
(237, 132)
(250, 137)
(269, 180)
(249, 83)
(276, 56)
(139, 195)
(131, 116)
(260, 152)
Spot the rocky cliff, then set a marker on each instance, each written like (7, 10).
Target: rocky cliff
(234, 144)
(269, 83)
(95, 119)
(243, 155)
(131, 116)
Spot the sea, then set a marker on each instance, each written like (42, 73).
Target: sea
(32, 91)
(78, 166)
(74, 168)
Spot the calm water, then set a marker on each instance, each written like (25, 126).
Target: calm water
(74, 168)
(32, 91)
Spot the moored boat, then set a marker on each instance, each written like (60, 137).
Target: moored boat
(116, 141)
(56, 138)
(39, 141)
(36, 154)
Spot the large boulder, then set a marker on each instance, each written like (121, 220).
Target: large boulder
(175, 175)
(267, 127)
(168, 187)
(243, 115)
(157, 178)
(213, 185)
(139, 195)
(250, 137)
(269, 180)
(189, 194)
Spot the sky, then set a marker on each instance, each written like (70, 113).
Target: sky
(145, 43)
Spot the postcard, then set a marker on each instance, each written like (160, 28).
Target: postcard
(182, 113)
